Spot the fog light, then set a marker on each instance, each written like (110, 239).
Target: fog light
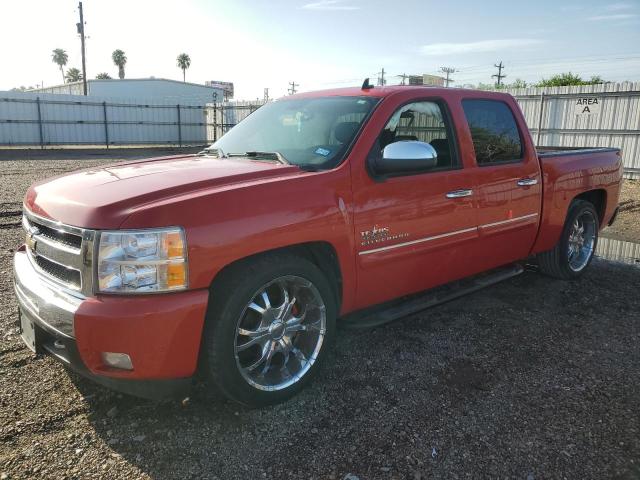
(117, 360)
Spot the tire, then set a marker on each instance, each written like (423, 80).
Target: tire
(570, 258)
(255, 375)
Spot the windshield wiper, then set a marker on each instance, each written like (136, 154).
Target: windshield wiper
(264, 155)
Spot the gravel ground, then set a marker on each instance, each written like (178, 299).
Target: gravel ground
(627, 225)
(530, 378)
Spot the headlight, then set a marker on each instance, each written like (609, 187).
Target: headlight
(138, 261)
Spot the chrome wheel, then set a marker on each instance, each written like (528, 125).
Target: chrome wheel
(280, 332)
(581, 243)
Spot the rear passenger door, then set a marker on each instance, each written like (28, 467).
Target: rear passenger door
(508, 181)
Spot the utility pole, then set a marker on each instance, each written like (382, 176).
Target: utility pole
(292, 87)
(499, 76)
(448, 71)
(404, 77)
(266, 95)
(80, 27)
(381, 81)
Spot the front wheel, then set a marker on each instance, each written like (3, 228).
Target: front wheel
(268, 329)
(576, 247)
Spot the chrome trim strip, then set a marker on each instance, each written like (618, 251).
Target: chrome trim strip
(52, 223)
(443, 235)
(510, 220)
(413, 242)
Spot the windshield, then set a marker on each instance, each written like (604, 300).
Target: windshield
(309, 132)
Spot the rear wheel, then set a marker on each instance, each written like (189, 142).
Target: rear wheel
(268, 329)
(574, 251)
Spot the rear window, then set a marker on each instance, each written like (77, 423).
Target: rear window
(494, 132)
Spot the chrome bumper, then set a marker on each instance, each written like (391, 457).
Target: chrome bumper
(50, 306)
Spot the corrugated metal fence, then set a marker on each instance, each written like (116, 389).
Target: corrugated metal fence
(551, 114)
(49, 120)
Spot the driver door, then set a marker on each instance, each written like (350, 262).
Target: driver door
(417, 230)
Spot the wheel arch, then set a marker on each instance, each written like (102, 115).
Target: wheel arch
(321, 253)
(597, 197)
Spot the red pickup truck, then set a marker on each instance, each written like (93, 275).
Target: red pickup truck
(237, 263)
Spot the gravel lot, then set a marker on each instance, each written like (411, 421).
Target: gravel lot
(531, 378)
(627, 225)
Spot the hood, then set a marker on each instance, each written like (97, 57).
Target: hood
(103, 197)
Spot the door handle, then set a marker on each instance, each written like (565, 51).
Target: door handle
(460, 193)
(527, 182)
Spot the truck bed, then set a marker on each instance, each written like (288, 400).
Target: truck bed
(568, 172)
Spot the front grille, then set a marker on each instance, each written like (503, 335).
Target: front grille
(68, 239)
(60, 252)
(64, 274)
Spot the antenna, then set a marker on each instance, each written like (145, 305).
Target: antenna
(366, 85)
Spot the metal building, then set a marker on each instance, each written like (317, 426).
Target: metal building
(142, 90)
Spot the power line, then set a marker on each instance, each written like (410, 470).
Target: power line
(499, 75)
(381, 81)
(292, 87)
(448, 71)
(404, 77)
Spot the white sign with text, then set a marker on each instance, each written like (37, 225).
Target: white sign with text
(587, 106)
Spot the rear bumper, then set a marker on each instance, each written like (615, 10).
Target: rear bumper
(160, 333)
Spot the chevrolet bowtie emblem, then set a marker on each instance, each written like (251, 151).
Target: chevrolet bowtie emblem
(30, 239)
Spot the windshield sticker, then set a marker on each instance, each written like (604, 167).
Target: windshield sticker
(322, 151)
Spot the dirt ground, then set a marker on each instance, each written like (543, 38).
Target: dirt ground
(531, 378)
(627, 225)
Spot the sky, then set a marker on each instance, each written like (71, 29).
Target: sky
(322, 44)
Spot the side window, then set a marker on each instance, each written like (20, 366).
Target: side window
(425, 122)
(493, 130)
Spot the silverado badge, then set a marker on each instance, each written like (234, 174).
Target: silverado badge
(379, 234)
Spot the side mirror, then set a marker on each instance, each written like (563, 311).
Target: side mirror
(407, 156)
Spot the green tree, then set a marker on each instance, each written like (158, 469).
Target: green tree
(120, 60)
(60, 58)
(103, 76)
(73, 75)
(518, 83)
(485, 86)
(184, 62)
(568, 78)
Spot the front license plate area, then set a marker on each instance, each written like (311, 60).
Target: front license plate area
(27, 331)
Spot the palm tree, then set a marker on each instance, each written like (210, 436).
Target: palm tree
(103, 76)
(120, 60)
(73, 75)
(184, 62)
(60, 57)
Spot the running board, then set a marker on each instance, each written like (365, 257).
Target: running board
(396, 309)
